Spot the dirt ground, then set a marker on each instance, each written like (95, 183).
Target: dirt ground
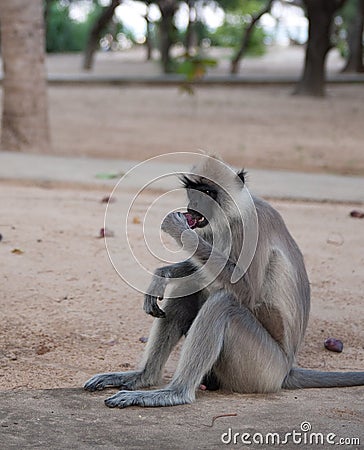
(260, 127)
(65, 314)
(263, 127)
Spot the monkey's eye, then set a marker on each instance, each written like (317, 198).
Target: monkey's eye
(209, 192)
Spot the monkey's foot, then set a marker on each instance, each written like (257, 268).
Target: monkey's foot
(124, 380)
(160, 397)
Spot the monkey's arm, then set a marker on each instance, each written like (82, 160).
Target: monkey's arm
(161, 277)
(175, 224)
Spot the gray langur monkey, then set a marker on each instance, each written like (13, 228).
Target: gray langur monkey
(244, 318)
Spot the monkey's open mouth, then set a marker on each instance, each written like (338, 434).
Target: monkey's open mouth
(195, 220)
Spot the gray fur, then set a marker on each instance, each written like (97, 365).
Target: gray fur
(243, 334)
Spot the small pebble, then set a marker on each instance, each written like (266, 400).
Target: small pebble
(357, 214)
(334, 345)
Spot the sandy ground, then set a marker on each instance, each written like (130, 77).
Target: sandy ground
(251, 127)
(262, 127)
(277, 60)
(65, 314)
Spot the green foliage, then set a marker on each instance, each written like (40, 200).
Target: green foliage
(65, 34)
(194, 67)
(238, 16)
(200, 30)
(230, 35)
(349, 11)
(344, 20)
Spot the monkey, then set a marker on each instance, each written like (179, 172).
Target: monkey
(243, 318)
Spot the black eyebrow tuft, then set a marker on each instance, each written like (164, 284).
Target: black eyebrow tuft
(242, 175)
(189, 183)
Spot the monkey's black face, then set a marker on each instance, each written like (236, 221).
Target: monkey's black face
(202, 198)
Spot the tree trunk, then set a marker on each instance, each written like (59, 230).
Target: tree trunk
(320, 15)
(95, 33)
(148, 40)
(168, 9)
(355, 41)
(190, 31)
(234, 69)
(148, 36)
(25, 125)
(47, 6)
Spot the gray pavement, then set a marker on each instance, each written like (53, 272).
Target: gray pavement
(209, 80)
(43, 169)
(75, 419)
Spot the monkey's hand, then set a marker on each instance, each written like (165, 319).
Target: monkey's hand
(175, 224)
(155, 293)
(151, 306)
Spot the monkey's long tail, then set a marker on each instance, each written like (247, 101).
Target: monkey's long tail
(304, 378)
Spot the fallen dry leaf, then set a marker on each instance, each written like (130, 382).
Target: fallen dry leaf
(105, 232)
(17, 251)
(108, 199)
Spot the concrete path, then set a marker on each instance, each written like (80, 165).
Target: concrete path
(87, 172)
(75, 419)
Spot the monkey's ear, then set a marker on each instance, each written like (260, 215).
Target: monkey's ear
(242, 174)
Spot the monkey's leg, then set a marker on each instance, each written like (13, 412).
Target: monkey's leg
(228, 338)
(164, 335)
(248, 358)
(202, 348)
(251, 361)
